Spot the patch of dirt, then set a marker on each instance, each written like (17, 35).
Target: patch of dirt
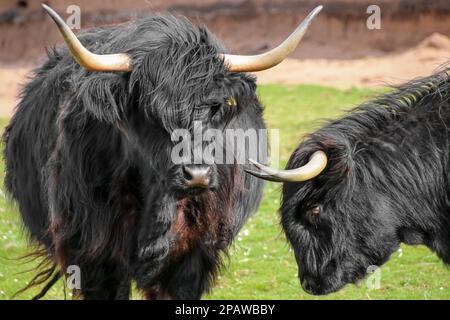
(11, 79)
(372, 71)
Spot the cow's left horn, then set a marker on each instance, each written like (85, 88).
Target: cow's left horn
(273, 57)
(91, 61)
(312, 169)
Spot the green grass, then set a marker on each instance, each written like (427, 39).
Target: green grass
(261, 265)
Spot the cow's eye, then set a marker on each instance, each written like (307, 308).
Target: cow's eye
(314, 213)
(231, 102)
(215, 107)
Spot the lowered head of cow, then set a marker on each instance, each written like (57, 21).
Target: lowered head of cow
(360, 186)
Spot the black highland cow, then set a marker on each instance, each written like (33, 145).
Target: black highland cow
(88, 156)
(361, 185)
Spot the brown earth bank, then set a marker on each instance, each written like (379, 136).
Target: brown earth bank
(338, 50)
(245, 26)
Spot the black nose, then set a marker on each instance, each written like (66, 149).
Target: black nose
(311, 286)
(197, 176)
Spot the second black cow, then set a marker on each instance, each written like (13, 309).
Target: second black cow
(361, 185)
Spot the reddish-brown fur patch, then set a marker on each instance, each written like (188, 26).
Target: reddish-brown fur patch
(195, 219)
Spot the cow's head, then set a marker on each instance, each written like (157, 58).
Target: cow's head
(338, 210)
(170, 76)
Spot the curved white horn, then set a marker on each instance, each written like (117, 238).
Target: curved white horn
(312, 169)
(273, 57)
(88, 60)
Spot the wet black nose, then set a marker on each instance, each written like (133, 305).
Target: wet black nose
(197, 176)
(311, 286)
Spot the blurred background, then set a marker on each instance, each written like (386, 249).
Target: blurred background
(338, 50)
(340, 63)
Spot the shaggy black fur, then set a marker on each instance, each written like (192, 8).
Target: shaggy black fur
(387, 182)
(88, 161)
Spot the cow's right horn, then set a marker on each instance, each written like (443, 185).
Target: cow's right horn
(88, 60)
(269, 59)
(312, 169)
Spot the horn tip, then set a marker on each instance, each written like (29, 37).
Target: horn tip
(252, 173)
(52, 13)
(256, 164)
(46, 7)
(262, 176)
(315, 12)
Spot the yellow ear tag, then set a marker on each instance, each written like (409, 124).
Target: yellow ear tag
(231, 102)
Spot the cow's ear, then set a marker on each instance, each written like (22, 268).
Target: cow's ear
(104, 96)
(238, 89)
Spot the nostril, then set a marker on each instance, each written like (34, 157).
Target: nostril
(310, 285)
(305, 284)
(187, 173)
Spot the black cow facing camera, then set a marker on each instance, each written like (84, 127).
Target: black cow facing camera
(361, 185)
(89, 156)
